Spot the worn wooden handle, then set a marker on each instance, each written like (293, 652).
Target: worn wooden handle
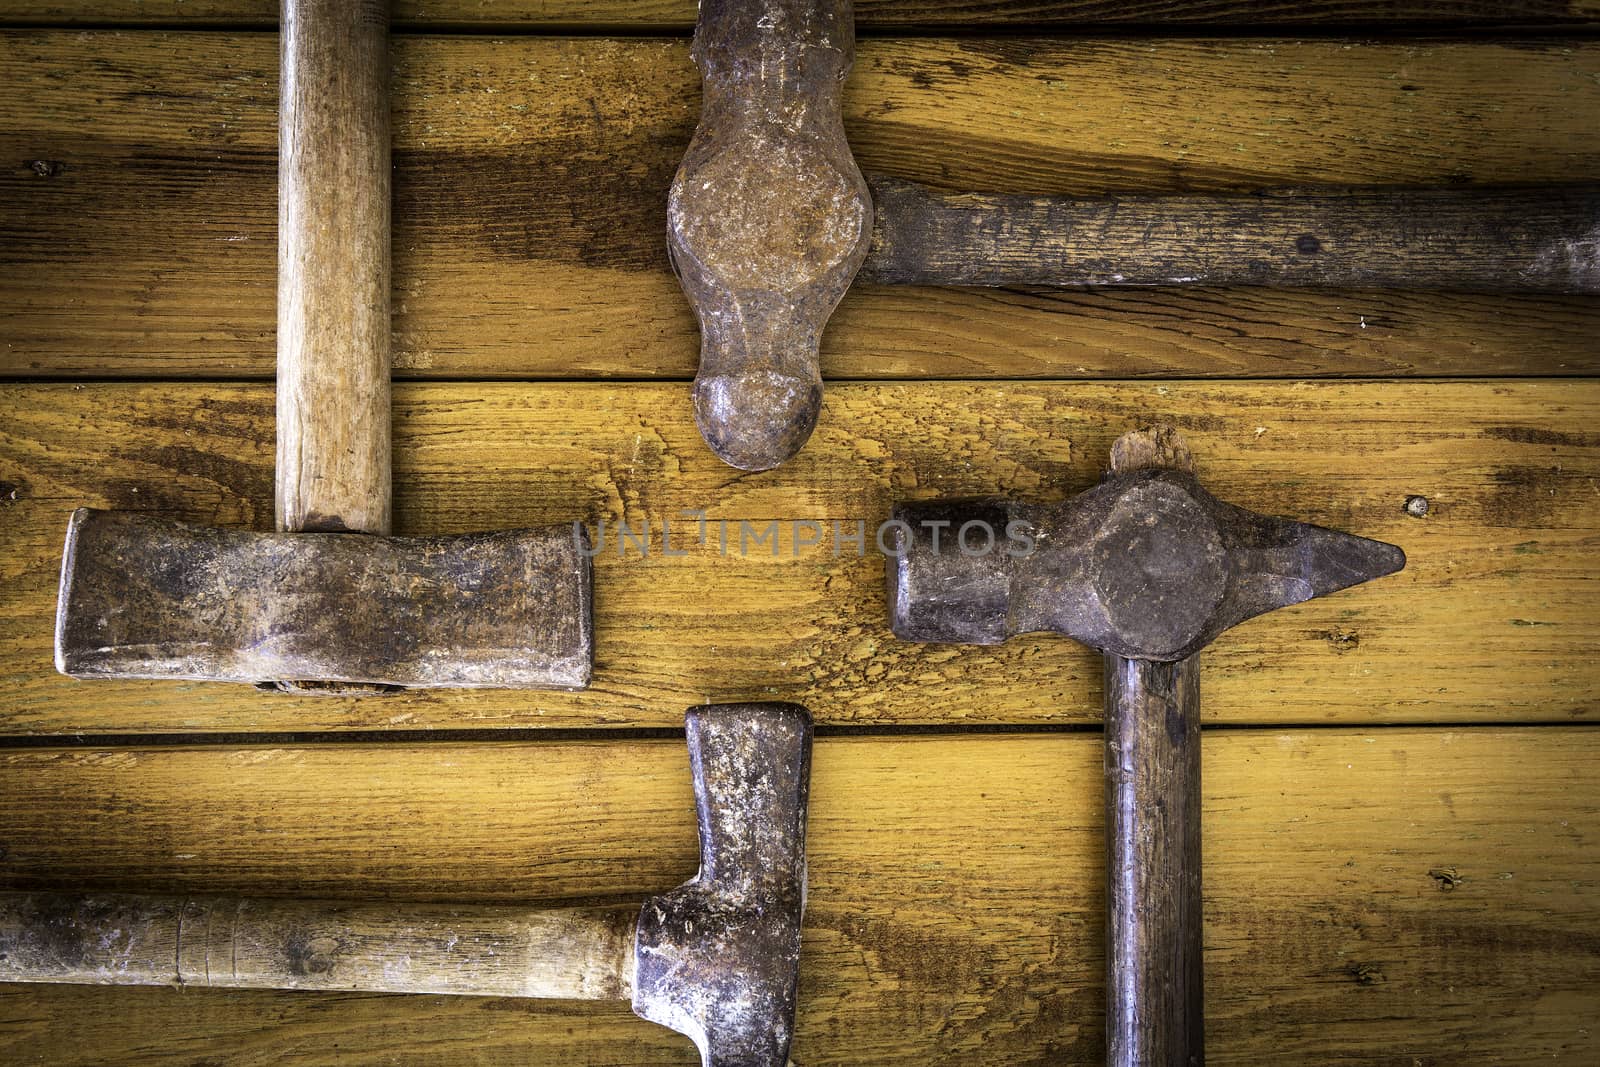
(1154, 969)
(307, 944)
(1515, 239)
(333, 267)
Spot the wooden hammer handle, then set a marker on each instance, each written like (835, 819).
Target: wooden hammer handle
(245, 943)
(1515, 239)
(1154, 968)
(333, 267)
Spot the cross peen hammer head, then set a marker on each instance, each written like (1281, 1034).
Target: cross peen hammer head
(718, 957)
(1146, 565)
(146, 597)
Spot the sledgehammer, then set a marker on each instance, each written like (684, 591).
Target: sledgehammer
(330, 602)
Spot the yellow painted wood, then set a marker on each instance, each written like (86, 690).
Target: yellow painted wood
(532, 173)
(1494, 619)
(678, 15)
(1424, 894)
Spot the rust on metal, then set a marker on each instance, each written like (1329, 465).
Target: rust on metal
(146, 597)
(718, 957)
(769, 222)
(1146, 565)
(331, 604)
(1149, 568)
(768, 219)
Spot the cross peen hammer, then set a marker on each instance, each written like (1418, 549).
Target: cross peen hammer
(1149, 568)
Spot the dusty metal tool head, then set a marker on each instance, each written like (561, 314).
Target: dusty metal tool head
(768, 219)
(331, 603)
(718, 957)
(1146, 565)
(146, 597)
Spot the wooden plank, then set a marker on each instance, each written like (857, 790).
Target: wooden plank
(531, 183)
(1494, 619)
(678, 15)
(1421, 894)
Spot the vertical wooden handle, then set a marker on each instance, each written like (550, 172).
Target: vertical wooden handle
(333, 267)
(244, 943)
(1155, 1010)
(1154, 1004)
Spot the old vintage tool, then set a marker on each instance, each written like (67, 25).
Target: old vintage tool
(769, 220)
(330, 602)
(1149, 568)
(716, 958)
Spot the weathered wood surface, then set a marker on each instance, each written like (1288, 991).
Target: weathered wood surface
(1494, 618)
(240, 942)
(678, 15)
(530, 201)
(1488, 239)
(333, 267)
(1425, 894)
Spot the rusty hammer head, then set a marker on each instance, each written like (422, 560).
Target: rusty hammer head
(1146, 565)
(146, 597)
(768, 218)
(718, 957)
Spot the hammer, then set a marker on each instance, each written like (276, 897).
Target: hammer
(716, 958)
(1149, 568)
(330, 602)
(769, 220)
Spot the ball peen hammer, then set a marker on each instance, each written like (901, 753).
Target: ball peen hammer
(716, 958)
(330, 602)
(1149, 568)
(769, 221)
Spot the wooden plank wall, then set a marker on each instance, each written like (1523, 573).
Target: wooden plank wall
(1401, 807)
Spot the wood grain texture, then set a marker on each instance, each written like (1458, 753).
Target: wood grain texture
(678, 15)
(1498, 240)
(530, 201)
(271, 943)
(1426, 894)
(333, 268)
(1499, 590)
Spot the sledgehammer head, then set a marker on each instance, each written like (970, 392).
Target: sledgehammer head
(144, 597)
(718, 958)
(1146, 565)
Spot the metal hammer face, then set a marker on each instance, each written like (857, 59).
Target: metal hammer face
(718, 957)
(144, 597)
(1146, 565)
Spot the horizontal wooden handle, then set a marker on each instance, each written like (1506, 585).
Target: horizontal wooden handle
(245, 943)
(1513, 239)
